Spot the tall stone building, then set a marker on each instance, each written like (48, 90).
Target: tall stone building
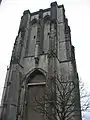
(42, 46)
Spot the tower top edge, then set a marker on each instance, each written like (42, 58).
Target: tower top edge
(44, 10)
(26, 12)
(53, 4)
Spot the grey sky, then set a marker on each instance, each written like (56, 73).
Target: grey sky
(78, 14)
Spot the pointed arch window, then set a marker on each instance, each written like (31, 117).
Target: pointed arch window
(36, 87)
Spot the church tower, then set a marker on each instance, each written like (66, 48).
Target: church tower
(42, 49)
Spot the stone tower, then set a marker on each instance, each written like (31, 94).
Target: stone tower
(42, 46)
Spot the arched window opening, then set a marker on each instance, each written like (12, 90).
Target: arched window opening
(34, 21)
(46, 35)
(36, 77)
(36, 89)
(46, 18)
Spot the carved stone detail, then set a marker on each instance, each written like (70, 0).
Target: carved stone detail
(36, 60)
(51, 54)
(37, 50)
(52, 36)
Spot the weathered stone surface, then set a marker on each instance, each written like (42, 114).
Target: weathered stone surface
(43, 46)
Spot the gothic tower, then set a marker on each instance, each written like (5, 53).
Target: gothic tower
(41, 50)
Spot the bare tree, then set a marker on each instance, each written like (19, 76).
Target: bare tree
(58, 101)
(85, 99)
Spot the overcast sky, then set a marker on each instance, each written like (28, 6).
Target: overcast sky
(78, 14)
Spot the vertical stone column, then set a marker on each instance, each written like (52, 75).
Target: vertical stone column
(41, 30)
(4, 101)
(10, 101)
(52, 59)
(25, 29)
(20, 43)
(39, 41)
(37, 47)
(16, 66)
